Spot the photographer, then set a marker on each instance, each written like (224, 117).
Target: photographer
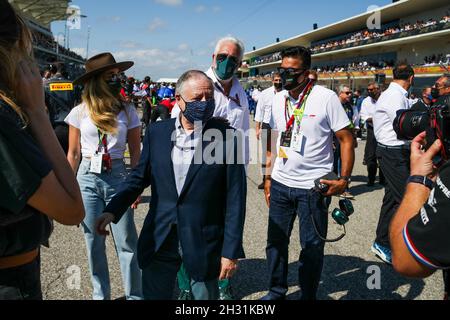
(419, 232)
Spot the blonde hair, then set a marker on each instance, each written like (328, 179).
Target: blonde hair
(10, 56)
(102, 105)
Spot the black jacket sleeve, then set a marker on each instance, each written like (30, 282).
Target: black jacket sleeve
(136, 183)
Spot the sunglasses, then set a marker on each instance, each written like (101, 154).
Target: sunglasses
(223, 56)
(439, 86)
(290, 70)
(348, 93)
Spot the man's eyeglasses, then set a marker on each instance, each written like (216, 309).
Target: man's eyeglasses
(290, 70)
(348, 93)
(437, 85)
(370, 90)
(223, 56)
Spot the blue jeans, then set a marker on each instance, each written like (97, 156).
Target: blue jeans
(158, 279)
(97, 191)
(285, 204)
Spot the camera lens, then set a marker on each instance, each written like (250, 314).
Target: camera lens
(409, 124)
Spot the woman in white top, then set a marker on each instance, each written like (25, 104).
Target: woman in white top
(99, 129)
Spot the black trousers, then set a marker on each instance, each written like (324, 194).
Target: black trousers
(396, 169)
(21, 283)
(370, 157)
(62, 133)
(265, 139)
(447, 280)
(146, 112)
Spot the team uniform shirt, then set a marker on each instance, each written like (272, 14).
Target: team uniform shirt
(368, 109)
(323, 115)
(427, 235)
(263, 109)
(127, 119)
(393, 99)
(235, 110)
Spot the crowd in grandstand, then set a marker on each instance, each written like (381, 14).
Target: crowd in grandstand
(368, 35)
(356, 66)
(268, 59)
(437, 59)
(363, 35)
(47, 42)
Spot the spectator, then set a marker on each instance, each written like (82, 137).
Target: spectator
(187, 221)
(288, 189)
(100, 128)
(36, 182)
(393, 154)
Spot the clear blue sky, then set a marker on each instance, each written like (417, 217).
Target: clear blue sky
(167, 37)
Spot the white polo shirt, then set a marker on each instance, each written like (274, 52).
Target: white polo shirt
(393, 99)
(323, 115)
(264, 106)
(368, 108)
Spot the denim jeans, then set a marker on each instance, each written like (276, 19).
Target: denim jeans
(158, 279)
(21, 283)
(97, 191)
(285, 204)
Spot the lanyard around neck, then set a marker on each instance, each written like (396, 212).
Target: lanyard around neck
(102, 141)
(300, 106)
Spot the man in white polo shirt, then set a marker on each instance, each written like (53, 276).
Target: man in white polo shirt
(304, 117)
(370, 153)
(262, 117)
(393, 154)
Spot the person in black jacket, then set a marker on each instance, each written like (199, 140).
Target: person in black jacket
(419, 232)
(198, 203)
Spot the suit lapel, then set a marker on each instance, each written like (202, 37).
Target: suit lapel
(167, 154)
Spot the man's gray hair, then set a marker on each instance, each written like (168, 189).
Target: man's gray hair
(447, 82)
(233, 40)
(375, 84)
(191, 75)
(342, 88)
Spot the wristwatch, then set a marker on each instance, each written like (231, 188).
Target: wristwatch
(427, 182)
(346, 178)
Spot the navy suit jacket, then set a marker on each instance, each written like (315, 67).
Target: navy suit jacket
(209, 212)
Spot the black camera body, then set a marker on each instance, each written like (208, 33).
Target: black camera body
(435, 122)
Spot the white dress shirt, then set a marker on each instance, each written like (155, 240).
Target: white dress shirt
(183, 152)
(264, 106)
(393, 99)
(368, 109)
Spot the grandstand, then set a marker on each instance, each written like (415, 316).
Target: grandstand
(414, 31)
(38, 16)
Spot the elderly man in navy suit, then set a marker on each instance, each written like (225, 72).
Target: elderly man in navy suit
(198, 185)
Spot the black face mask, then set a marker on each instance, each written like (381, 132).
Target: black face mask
(114, 86)
(278, 86)
(435, 93)
(290, 80)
